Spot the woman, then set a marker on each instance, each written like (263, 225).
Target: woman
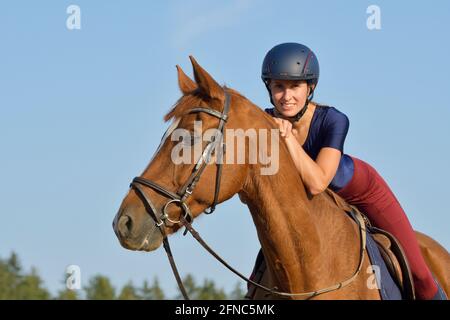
(315, 135)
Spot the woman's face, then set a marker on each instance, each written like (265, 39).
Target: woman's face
(289, 96)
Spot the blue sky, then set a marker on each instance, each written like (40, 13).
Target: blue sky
(81, 115)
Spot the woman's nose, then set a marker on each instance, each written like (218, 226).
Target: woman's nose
(287, 94)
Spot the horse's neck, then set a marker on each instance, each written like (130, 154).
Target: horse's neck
(294, 231)
(287, 231)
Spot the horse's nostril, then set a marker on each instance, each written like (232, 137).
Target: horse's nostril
(129, 224)
(125, 225)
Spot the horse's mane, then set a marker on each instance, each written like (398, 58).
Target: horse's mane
(184, 104)
(194, 98)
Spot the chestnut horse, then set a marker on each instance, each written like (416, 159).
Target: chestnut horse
(309, 242)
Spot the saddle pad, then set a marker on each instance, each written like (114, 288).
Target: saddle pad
(387, 286)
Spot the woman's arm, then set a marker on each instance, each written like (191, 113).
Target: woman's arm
(318, 174)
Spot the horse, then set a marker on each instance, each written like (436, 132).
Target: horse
(309, 241)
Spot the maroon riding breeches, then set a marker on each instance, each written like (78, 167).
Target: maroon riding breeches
(371, 195)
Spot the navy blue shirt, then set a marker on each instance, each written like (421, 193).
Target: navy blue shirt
(329, 128)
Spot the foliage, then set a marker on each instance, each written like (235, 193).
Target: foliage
(100, 288)
(16, 284)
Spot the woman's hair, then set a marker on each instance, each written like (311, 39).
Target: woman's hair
(310, 83)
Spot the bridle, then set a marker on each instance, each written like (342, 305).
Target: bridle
(186, 219)
(186, 190)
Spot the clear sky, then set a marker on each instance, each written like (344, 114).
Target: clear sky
(81, 115)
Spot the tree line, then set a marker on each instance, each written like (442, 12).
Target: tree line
(17, 284)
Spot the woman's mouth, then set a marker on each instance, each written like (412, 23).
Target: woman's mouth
(287, 106)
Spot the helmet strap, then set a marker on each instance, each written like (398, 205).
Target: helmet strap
(300, 114)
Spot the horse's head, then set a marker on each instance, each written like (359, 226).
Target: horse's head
(168, 188)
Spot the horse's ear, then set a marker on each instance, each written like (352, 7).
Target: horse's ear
(205, 82)
(185, 83)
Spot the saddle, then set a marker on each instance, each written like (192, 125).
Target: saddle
(390, 250)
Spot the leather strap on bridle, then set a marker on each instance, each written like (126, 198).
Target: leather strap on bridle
(186, 190)
(150, 208)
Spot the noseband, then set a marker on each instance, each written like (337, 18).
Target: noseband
(186, 219)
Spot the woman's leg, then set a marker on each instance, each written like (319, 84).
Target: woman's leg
(370, 193)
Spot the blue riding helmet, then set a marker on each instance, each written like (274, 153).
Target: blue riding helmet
(291, 61)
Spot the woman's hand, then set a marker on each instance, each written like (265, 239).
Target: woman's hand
(285, 127)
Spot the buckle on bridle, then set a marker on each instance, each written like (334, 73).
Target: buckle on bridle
(187, 214)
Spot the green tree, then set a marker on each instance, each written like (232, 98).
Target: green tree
(8, 281)
(100, 288)
(237, 293)
(190, 286)
(14, 264)
(66, 293)
(209, 291)
(153, 292)
(14, 284)
(31, 287)
(129, 292)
